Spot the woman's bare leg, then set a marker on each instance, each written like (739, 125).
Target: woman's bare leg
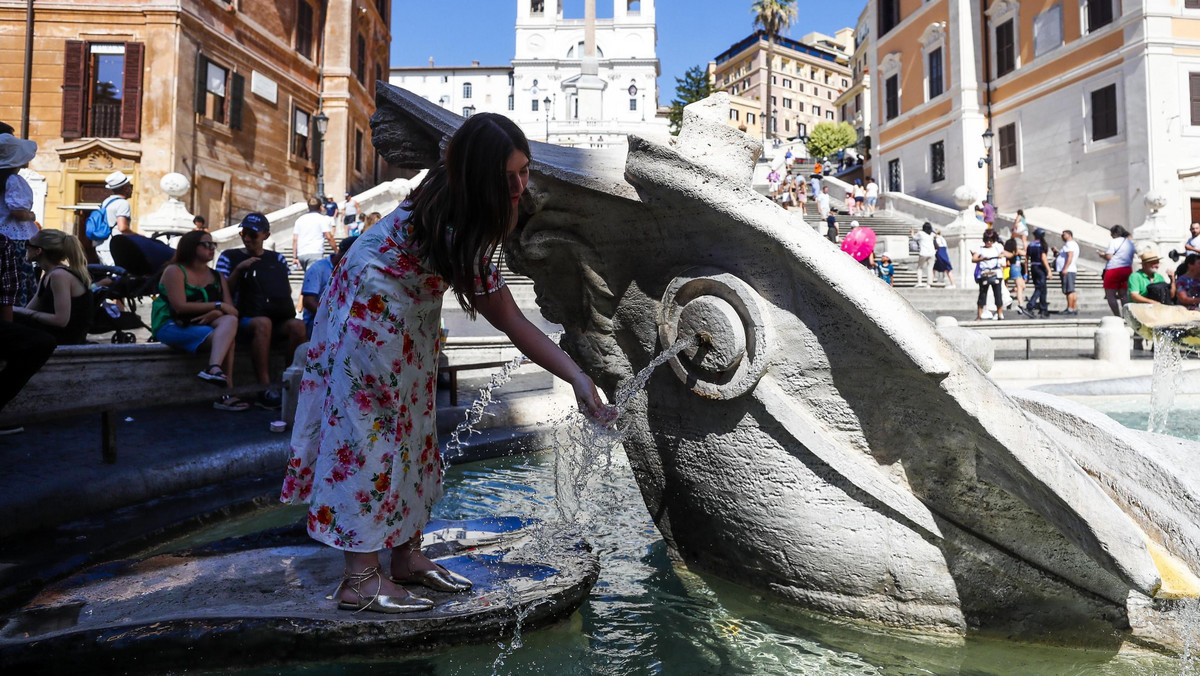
(359, 562)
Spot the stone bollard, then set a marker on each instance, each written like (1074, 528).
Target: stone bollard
(1112, 340)
(974, 344)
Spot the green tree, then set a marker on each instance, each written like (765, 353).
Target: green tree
(692, 87)
(827, 138)
(772, 16)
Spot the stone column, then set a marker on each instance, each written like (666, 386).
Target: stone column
(964, 232)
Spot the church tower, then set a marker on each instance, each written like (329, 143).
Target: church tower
(586, 81)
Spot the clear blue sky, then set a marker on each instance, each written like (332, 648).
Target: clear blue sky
(690, 33)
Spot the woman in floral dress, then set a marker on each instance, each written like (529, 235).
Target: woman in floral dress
(364, 452)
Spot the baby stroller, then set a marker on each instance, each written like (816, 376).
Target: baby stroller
(139, 265)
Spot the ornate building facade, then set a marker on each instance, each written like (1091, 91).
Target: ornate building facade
(810, 74)
(1093, 105)
(224, 92)
(573, 81)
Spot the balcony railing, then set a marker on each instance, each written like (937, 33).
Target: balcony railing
(106, 120)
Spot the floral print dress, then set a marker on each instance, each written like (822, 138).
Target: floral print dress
(364, 450)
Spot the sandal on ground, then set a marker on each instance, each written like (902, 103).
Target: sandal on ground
(440, 579)
(378, 603)
(230, 403)
(213, 374)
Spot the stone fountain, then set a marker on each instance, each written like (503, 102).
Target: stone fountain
(821, 442)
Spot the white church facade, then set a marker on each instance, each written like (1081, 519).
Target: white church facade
(583, 82)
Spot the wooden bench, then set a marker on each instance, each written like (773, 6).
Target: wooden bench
(1031, 330)
(106, 379)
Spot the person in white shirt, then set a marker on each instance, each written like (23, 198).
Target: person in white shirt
(872, 195)
(1069, 257)
(926, 250)
(823, 203)
(1193, 243)
(310, 234)
(990, 258)
(117, 211)
(1119, 266)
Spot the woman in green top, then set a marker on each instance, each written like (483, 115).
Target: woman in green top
(194, 310)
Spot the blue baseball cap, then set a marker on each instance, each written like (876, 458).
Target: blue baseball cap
(256, 222)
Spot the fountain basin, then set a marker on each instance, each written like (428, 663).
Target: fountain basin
(265, 595)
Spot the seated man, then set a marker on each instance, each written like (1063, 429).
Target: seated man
(1148, 285)
(316, 280)
(258, 280)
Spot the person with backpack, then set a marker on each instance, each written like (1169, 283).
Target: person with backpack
(114, 216)
(1039, 274)
(1148, 285)
(258, 280)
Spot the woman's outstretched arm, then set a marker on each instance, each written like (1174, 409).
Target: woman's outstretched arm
(502, 312)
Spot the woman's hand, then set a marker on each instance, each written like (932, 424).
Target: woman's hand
(589, 400)
(208, 317)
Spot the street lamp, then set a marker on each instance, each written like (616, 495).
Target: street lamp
(775, 126)
(546, 105)
(321, 124)
(988, 138)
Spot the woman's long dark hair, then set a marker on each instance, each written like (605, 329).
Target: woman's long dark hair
(462, 211)
(185, 249)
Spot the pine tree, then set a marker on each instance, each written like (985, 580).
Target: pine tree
(692, 87)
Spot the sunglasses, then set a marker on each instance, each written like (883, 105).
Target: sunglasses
(208, 245)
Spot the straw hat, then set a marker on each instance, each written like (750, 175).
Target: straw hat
(1149, 257)
(116, 180)
(15, 152)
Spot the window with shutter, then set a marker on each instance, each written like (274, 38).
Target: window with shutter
(937, 161)
(131, 94)
(304, 28)
(936, 71)
(1104, 112)
(213, 90)
(1099, 14)
(891, 97)
(1194, 95)
(237, 86)
(1008, 145)
(1006, 48)
(74, 71)
(300, 133)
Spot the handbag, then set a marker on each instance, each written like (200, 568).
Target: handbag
(914, 246)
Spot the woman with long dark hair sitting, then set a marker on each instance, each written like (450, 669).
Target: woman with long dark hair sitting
(62, 302)
(193, 310)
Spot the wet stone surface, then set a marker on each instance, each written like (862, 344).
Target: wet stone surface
(266, 598)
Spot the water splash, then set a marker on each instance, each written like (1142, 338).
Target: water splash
(583, 450)
(478, 409)
(1164, 382)
(1189, 615)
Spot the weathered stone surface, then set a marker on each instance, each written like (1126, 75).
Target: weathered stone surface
(822, 441)
(263, 597)
(1182, 324)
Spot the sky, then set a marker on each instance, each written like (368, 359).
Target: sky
(690, 33)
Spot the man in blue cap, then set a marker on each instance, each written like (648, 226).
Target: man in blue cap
(258, 280)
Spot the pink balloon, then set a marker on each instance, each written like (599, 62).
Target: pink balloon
(859, 243)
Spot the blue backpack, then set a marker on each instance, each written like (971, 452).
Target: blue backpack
(98, 228)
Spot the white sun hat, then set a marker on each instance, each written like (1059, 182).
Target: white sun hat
(116, 180)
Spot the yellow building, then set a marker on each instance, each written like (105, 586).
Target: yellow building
(221, 91)
(809, 75)
(1092, 105)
